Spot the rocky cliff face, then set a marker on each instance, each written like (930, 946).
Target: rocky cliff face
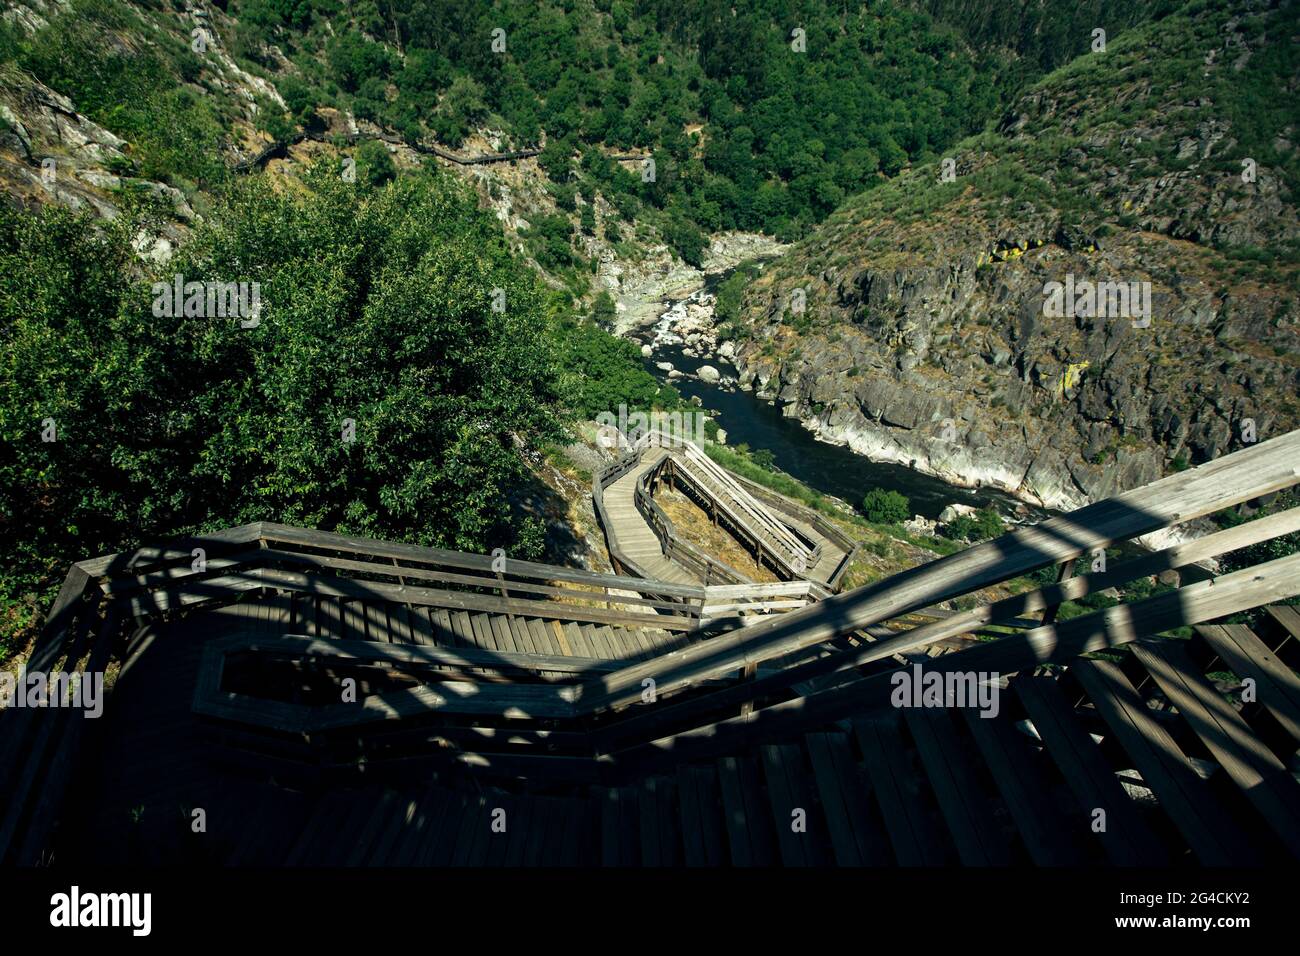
(50, 153)
(918, 324)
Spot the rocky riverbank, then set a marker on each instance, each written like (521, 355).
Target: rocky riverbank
(683, 343)
(641, 289)
(688, 327)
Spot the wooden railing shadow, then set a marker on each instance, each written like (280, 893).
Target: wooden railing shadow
(768, 681)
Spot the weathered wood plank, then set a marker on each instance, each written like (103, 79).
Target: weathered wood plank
(1262, 777)
(660, 840)
(702, 835)
(1126, 839)
(186, 593)
(1207, 826)
(856, 837)
(799, 830)
(389, 549)
(1050, 839)
(957, 787)
(55, 746)
(620, 842)
(1277, 687)
(300, 646)
(893, 783)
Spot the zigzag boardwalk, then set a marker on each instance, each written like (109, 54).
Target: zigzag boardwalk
(324, 700)
(796, 543)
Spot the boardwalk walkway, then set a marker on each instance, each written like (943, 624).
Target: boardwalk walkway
(332, 699)
(779, 532)
(630, 533)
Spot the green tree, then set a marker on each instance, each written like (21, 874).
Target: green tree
(374, 165)
(377, 306)
(982, 525)
(886, 506)
(603, 310)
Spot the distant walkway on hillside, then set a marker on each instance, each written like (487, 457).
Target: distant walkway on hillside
(280, 148)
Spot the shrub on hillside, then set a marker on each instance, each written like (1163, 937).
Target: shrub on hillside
(886, 507)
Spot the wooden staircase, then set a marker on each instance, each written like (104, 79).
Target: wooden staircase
(609, 719)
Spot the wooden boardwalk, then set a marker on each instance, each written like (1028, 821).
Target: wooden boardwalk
(630, 535)
(793, 541)
(917, 787)
(331, 700)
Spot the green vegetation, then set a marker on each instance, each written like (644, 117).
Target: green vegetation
(729, 296)
(1045, 35)
(982, 525)
(602, 371)
(1002, 177)
(143, 92)
(1279, 547)
(784, 134)
(377, 307)
(374, 165)
(886, 507)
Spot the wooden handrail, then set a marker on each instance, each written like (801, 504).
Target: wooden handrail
(1259, 470)
(1055, 643)
(1009, 611)
(711, 469)
(674, 546)
(808, 690)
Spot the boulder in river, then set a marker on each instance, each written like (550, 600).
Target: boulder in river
(647, 351)
(664, 366)
(708, 374)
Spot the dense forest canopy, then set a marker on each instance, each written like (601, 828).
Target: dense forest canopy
(121, 425)
(760, 116)
(1043, 34)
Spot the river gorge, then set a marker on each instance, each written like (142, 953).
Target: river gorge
(678, 340)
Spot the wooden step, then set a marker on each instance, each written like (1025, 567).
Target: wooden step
(1204, 822)
(1262, 777)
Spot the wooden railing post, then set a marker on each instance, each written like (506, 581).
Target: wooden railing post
(1064, 572)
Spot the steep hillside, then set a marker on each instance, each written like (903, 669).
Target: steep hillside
(1041, 34)
(928, 337)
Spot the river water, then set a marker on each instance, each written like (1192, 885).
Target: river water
(830, 469)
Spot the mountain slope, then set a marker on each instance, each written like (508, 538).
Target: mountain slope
(925, 338)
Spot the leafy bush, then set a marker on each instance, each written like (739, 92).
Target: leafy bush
(886, 507)
(374, 164)
(377, 306)
(602, 372)
(603, 309)
(984, 524)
